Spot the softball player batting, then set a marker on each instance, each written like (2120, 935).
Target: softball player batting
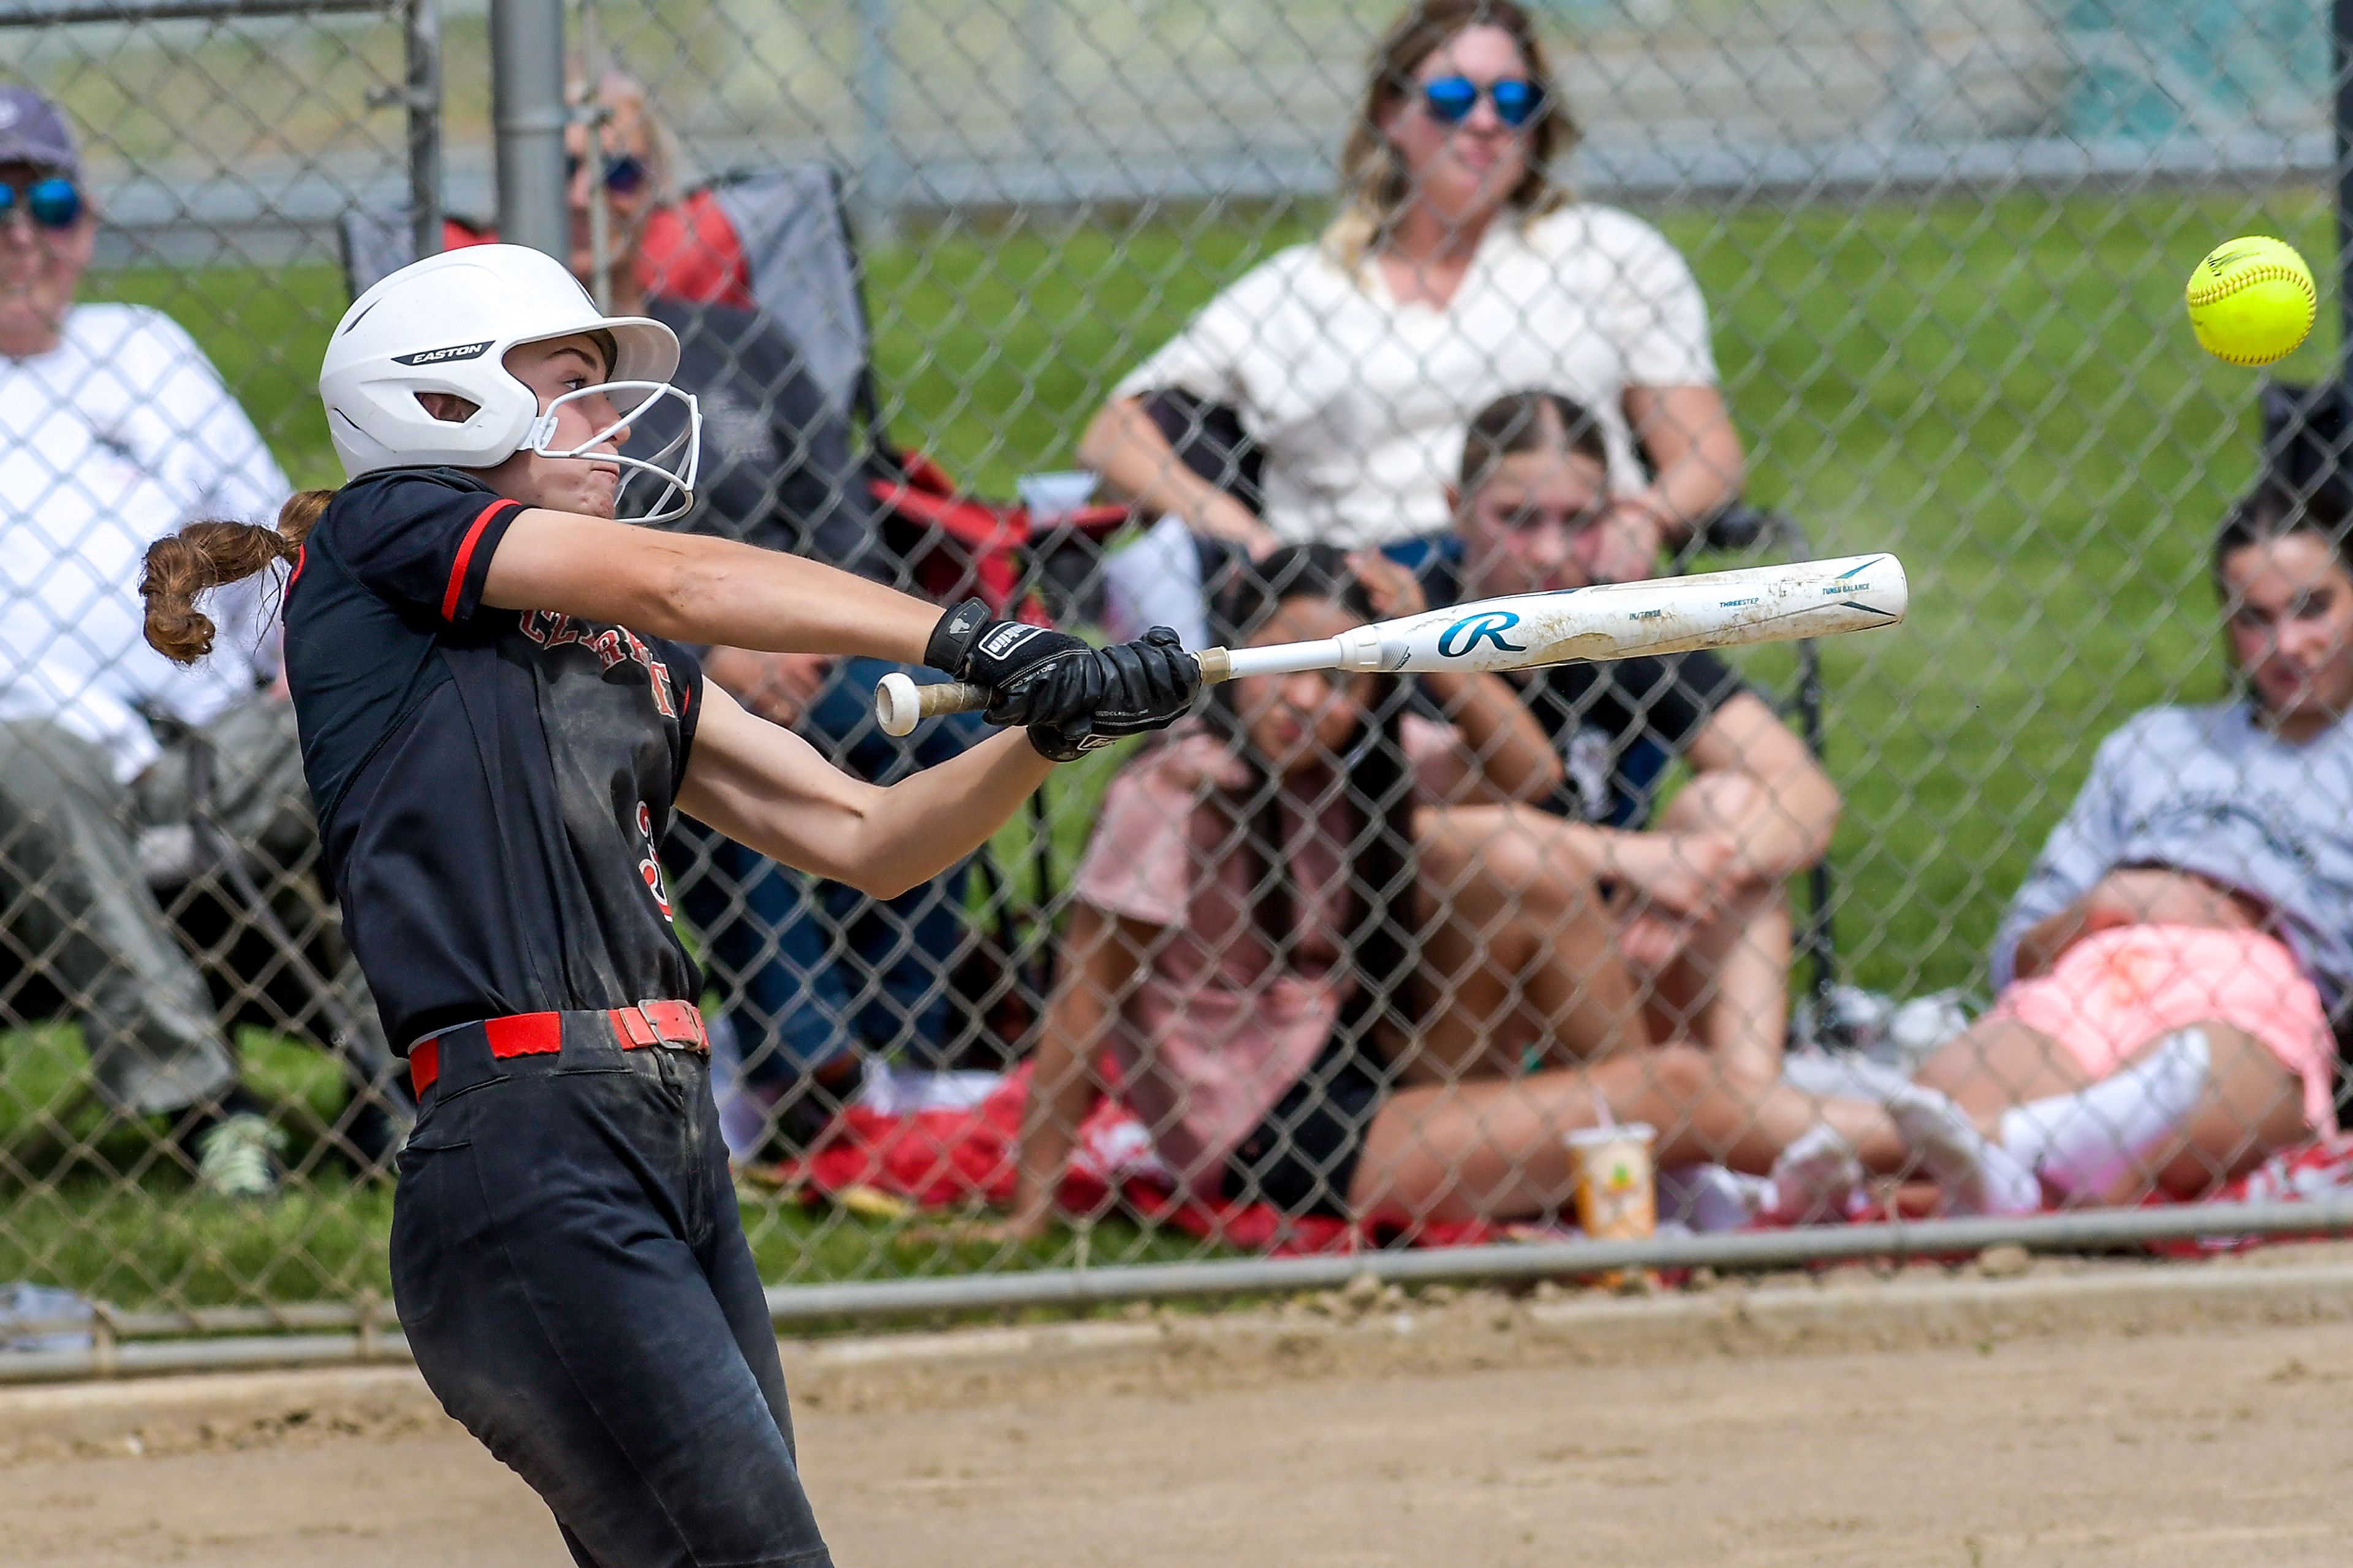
(496, 726)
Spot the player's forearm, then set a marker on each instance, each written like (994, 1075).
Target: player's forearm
(772, 792)
(918, 827)
(702, 590)
(765, 599)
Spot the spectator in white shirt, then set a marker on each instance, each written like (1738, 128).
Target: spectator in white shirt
(114, 430)
(1456, 271)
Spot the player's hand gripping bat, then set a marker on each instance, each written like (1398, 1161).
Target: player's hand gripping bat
(1611, 620)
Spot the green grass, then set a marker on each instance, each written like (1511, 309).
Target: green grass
(2004, 391)
(88, 1201)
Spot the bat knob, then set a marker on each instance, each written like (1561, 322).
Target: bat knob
(898, 704)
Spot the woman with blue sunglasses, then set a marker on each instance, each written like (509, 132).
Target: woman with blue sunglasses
(1456, 270)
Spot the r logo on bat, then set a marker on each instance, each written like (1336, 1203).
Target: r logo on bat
(1487, 626)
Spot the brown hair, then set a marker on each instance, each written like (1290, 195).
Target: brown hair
(1384, 946)
(1373, 184)
(207, 555)
(1521, 422)
(2273, 510)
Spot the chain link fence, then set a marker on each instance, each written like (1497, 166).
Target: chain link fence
(1871, 275)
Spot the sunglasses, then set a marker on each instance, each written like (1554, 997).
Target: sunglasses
(53, 202)
(1451, 98)
(623, 175)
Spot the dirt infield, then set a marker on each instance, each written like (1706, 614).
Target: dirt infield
(2043, 1421)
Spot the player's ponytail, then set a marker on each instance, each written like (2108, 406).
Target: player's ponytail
(207, 555)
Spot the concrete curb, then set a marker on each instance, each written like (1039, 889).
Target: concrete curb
(1357, 1333)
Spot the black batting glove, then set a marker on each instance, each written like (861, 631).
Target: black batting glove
(1084, 705)
(974, 647)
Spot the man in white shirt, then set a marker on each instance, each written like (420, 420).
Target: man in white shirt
(114, 430)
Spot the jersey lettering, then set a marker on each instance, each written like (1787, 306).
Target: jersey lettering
(611, 645)
(650, 866)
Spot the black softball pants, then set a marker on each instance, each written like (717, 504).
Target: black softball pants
(572, 1277)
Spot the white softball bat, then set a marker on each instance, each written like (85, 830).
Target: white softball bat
(1525, 631)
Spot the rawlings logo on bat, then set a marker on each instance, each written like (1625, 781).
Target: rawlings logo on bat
(1488, 625)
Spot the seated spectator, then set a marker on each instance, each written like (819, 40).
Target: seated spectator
(811, 975)
(1698, 892)
(114, 430)
(1276, 926)
(1456, 270)
(2170, 970)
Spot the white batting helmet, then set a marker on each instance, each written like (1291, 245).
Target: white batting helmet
(445, 324)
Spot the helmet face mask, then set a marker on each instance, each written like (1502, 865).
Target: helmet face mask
(675, 466)
(446, 324)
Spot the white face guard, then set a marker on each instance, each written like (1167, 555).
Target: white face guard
(676, 465)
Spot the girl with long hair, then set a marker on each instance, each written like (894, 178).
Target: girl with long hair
(2172, 965)
(497, 729)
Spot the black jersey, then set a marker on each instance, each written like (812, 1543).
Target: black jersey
(492, 787)
(1618, 725)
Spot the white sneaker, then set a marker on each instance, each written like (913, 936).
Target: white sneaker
(238, 1157)
(1976, 1175)
(1817, 1180)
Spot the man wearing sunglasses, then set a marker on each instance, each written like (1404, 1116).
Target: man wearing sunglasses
(114, 430)
(45, 227)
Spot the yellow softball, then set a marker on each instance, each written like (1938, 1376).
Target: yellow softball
(2252, 300)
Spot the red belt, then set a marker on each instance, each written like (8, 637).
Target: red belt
(541, 1035)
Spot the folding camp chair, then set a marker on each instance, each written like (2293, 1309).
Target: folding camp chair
(1209, 439)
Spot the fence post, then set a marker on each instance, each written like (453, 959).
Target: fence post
(2340, 34)
(882, 165)
(1041, 110)
(422, 33)
(528, 114)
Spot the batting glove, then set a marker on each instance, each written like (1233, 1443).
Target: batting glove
(1084, 705)
(998, 655)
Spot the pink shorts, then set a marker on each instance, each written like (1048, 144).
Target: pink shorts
(2112, 994)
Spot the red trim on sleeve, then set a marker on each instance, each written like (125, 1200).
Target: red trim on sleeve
(296, 575)
(466, 556)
